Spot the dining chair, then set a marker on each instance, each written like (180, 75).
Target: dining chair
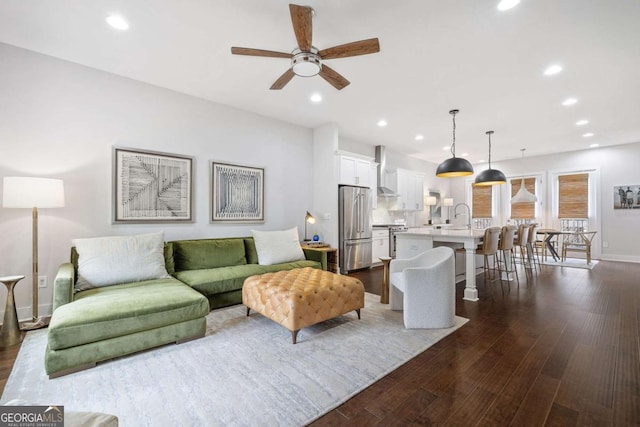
(506, 246)
(581, 244)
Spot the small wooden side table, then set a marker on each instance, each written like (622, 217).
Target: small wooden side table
(384, 296)
(332, 255)
(10, 332)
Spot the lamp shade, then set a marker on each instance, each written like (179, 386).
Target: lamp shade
(309, 218)
(454, 167)
(490, 177)
(430, 201)
(447, 201)
(32, 192)
(523, 195)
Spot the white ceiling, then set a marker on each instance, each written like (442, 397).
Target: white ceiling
(434, 56)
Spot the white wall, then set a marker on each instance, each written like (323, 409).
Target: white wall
(616, 165)
(60, 120)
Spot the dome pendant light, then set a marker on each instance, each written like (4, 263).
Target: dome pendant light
(490, 176)
(523, 195)
(454, 166)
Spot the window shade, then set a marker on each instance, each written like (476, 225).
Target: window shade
(523, 210)
(482, 201)
(573, 196)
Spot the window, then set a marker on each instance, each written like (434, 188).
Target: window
(573, 196)
(523, 210)
(482, 201)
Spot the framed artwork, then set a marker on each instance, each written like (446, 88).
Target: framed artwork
(237, 193)
(626, 197)
(151, 186)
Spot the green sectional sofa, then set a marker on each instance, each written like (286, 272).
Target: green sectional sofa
(97, 324)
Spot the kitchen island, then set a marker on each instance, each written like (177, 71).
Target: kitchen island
(412, 243)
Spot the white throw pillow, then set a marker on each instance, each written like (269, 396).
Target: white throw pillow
(276, 247)
(105, 261)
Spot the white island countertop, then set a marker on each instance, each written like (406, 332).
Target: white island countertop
(414, 242)
(447, 232)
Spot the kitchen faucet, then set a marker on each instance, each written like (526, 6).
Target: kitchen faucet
(468, 214)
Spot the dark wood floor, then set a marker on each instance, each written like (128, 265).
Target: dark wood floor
(563, 349)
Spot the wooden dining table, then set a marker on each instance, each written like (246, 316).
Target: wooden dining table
(549, 234)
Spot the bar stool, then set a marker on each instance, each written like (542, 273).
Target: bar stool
(522, 242)
(490, 242)
(507, 250)
(532, 247)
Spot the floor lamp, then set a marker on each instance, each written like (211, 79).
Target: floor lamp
(34, 193)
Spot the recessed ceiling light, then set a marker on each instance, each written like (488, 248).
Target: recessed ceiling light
(587, 135)
(316, 97)
(508, 4)
(465, 154)
(569, 101)
(481, 161)
(552, 69)
(446, 148)
(582, 122)
(594, 145)
(117, 22)
(419, 137)
(382, 123)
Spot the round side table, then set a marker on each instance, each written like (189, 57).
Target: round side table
(10, 332)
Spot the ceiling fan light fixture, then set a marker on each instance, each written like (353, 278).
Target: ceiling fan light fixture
(490, 176)
(306, 64)
(454, 166)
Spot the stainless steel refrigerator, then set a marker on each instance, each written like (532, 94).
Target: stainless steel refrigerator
(354, 208)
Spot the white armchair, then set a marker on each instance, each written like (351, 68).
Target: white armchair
(424, 287)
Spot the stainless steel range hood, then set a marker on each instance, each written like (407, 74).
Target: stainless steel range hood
(381, 159)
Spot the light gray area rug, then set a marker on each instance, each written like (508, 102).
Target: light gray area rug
(572, 262)
(244, 372)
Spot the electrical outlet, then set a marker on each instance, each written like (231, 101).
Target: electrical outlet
(42, 281)
(605, 244)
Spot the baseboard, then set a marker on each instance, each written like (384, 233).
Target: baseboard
(620, 258)
(24, 313)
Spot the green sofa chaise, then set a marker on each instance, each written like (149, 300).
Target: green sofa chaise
(102, 323)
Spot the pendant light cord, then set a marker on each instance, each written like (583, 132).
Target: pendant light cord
(489, 133)
(453, 144)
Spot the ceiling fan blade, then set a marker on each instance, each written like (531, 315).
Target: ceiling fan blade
(259, 52)
(333, 77)
(283, 80)
(362, 47)
(301, 20)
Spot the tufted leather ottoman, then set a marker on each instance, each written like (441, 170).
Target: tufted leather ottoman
(302, 296)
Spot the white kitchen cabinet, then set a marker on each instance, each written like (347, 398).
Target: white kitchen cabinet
(410, 187)
(380, 245)
(355, 171)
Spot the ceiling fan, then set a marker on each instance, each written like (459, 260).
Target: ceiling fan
(306, 60)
